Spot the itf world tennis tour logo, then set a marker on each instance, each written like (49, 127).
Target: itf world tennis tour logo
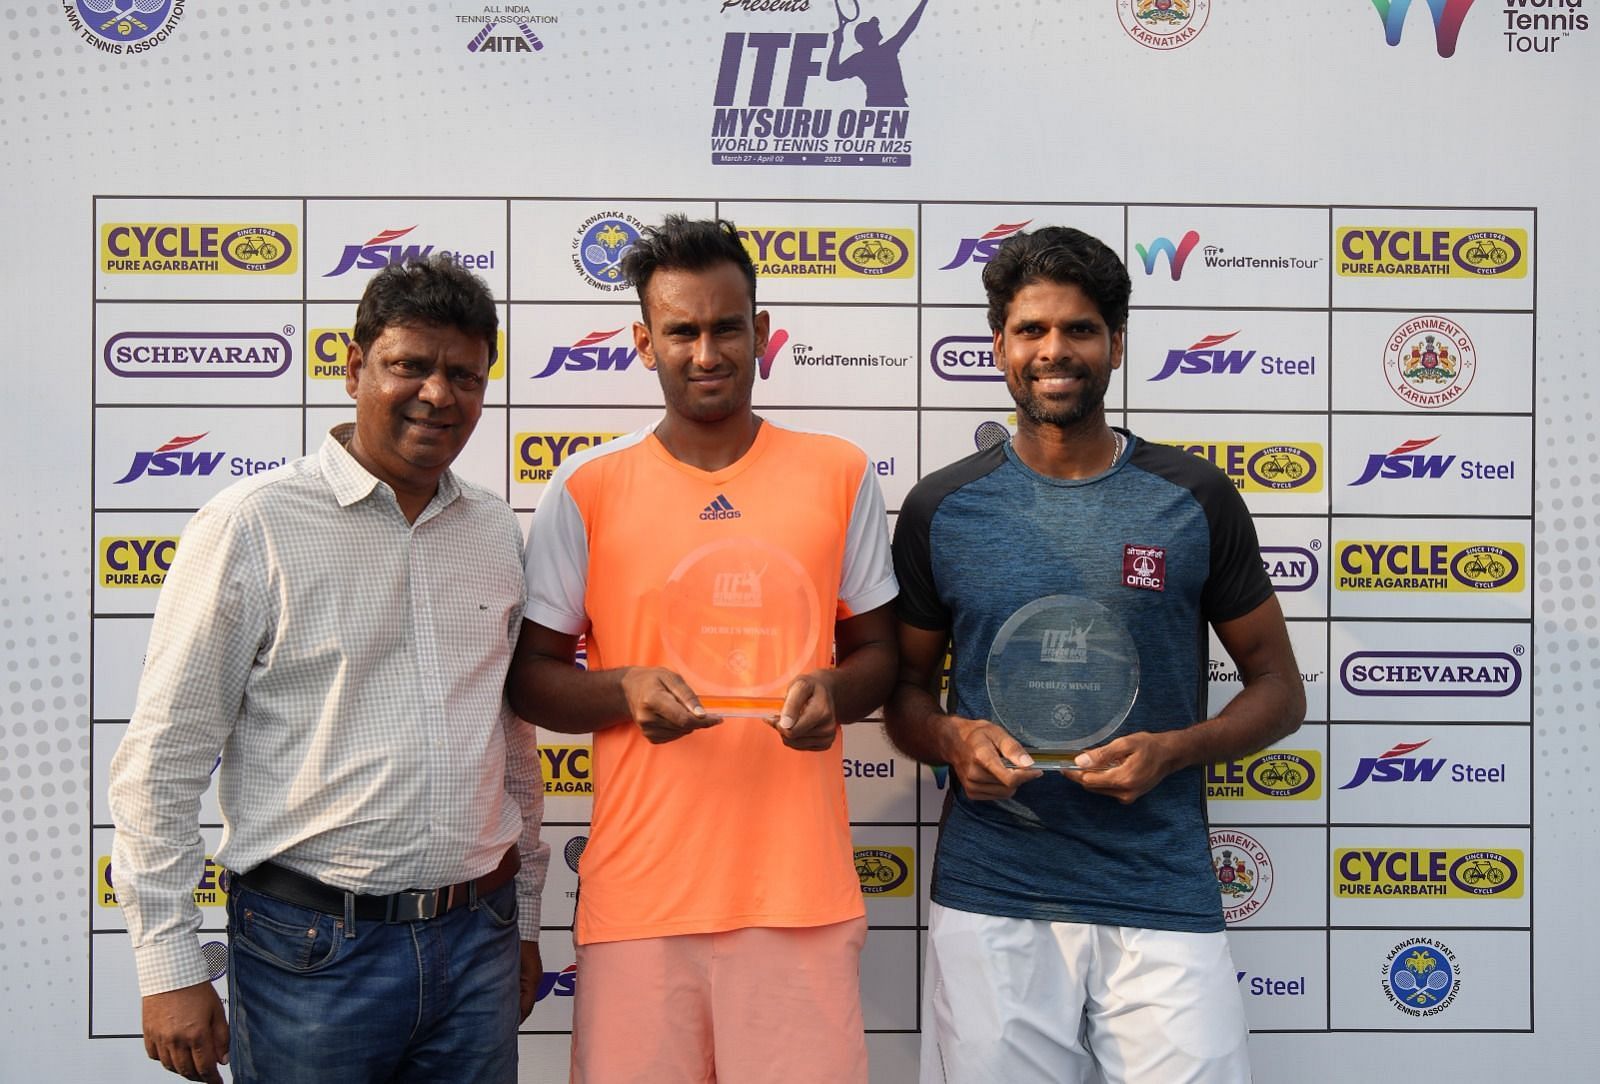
(123, 26)
(1163, 24)
(1538, 31)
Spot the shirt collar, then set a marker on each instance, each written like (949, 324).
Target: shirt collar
(351, 482)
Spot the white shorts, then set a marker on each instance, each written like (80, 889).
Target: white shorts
(1019, 1001)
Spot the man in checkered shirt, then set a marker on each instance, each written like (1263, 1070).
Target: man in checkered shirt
(339, 630)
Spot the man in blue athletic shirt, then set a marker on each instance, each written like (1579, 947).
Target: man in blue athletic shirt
(1076, 930)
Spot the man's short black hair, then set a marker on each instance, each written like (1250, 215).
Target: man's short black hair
(681, 243)
(434, 291)
(1063, 255)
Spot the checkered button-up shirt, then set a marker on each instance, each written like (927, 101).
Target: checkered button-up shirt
(350, 668)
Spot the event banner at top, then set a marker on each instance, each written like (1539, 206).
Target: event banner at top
(818, 95)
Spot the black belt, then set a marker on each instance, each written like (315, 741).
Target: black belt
(411, 905)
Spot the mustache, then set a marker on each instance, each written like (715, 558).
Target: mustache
(1073, 369)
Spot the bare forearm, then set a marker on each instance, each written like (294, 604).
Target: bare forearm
(567, 699)
(1269, 709)
(916, 724)
(862, 681)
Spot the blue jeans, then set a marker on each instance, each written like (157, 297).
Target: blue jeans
(311, 1001)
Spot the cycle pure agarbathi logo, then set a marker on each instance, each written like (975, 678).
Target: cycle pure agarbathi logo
(123, 26)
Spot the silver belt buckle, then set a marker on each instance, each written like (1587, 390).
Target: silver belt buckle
(414, 905)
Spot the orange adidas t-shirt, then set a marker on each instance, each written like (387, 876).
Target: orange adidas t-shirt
(727, 827)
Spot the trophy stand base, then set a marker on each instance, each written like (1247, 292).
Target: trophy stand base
(743, 707)
(1054, 761)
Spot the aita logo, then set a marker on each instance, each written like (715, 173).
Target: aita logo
(1447, 19)
(982, 249)
(172, 459)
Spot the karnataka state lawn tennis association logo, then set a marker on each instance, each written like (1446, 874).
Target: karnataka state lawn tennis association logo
(1163, 24)
(597, 251)
(830, 122)
(1421, 976)
(123, 26)
(1243, 870)
(1429, 361)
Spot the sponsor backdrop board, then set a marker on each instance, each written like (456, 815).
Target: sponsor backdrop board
(1370, 313)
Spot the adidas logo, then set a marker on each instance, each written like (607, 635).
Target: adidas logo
(721, 508)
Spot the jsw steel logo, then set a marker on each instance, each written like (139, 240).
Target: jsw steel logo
(170, 459)
(379, 252)
(1403, 462)
(1396, 766)
(588, 355)
(1204, 357)
(982, 249)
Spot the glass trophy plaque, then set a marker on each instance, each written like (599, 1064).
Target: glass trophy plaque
(1062, 675)
(740, 620)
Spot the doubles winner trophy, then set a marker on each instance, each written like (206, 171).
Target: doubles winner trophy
(739, 622)
(1062, 676)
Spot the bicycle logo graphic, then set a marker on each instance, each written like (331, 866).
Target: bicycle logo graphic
(1484, 567)
(879, 871)
(873, 253)
(1484, 873)
(1280, 775)
(1487, 253)
(1281, 466)
(256, 247)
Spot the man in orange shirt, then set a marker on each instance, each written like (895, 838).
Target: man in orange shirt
(720, 920)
